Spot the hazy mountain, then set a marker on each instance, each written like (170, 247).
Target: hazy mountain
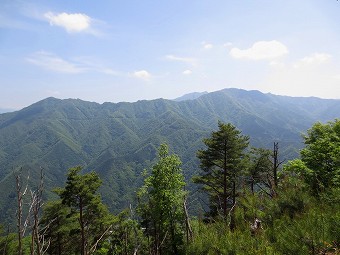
(120, 140)
(191, 96)
(4, 110)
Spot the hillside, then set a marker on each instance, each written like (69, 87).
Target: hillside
(120, 140)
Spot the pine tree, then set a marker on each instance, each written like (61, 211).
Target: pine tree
(61, 228)
(81, 196)
(220, 163)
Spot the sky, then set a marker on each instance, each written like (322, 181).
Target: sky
(130, 50)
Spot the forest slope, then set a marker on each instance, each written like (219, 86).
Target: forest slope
(119, 140)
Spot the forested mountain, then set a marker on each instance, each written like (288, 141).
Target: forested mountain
(119, 140)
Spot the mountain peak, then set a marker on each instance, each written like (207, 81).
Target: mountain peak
(190, 96)
(119, 140)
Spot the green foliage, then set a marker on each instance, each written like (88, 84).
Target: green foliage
(7, 241)
(79, 223)
(322, 156)
(122, 138)
(119, 140)
(259, 173)
(62, 228)
(161, 204)
(294, 221)
(9, 244)
(220, 163)
(319, 165)
(298, 167)
(216, 238)
(302, 224)
(125, 238)
(79, 214)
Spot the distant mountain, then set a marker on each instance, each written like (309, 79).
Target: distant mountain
(190, 96)
(120, 140)
(4, 110)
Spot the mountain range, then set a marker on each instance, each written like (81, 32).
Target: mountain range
(119, 140)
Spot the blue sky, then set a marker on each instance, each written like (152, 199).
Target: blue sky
(131, 50)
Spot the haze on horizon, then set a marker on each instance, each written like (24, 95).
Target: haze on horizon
(131, 50)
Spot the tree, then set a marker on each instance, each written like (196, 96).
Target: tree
(161, 204)
(32, 212)
(220, 163)
(61, 227)
(320, 159)
(21, 230)
(276, 165)
(6, 238)
(260, 170)
(127, 237)
(38, 240)
(263, 169)
(80, 194)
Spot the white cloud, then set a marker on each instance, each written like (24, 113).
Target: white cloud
(186, 60)
(187, 72)
(142, 74)
(73, 23)
(313, 75)
(207, 46)
(92, 63)
(261, 50)
(52, 62)
(108, 71)
(6, 22)
(314, 59)
(228, 44)
(275, 63)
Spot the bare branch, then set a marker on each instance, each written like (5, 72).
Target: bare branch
(94, 247)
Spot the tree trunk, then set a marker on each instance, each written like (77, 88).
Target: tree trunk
(232, 210)
(173, 243)
(187, 222)
(225, 181)
(19, 215)
(276, 163)
(82, 229)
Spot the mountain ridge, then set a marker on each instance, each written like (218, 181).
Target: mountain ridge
(119, 140)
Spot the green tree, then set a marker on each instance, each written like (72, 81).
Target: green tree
(161, 204)
(6, 240)
(127, 237)
(60, 228)
(220, 163)
(322, 155)
(320, 159)
(259, 171)
(81, 196)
